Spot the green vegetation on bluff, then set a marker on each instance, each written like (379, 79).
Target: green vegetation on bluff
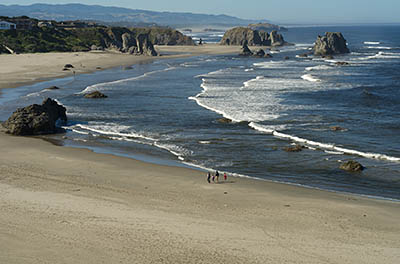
(51, 39)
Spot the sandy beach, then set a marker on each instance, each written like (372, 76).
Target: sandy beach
(68, 205)
(24, 69)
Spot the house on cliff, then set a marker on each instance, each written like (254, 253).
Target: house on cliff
(7, 25)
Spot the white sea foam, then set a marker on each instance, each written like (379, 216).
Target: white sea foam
(112, 129)
(325, 146)
(108, 85)
(310, 78)
(372, 42)
(380, 47)
(257, 99)
(177, 151)
(271, 64)
(381, 55)
(319, 67)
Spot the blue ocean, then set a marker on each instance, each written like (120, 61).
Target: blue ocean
(169, 112)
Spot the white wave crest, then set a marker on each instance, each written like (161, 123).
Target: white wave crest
(310, 78)
(379, 47)
(112, 129)
(325, 146)
(108, 85)
(319, 67)
(372, 42)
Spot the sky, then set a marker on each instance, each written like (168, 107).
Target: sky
(282, 11)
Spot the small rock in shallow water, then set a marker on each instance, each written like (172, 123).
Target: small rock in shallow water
(296, 148)
(95, 95)
(224, 120)
(352, 165)
(337, 128)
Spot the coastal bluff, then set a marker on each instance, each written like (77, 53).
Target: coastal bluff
(245, 35)
(54, 39)
(75, 36)
(330, 44)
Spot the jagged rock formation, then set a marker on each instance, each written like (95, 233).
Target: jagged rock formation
(259, 53)
(127, 41)
(239, 35)
(245, 51)
(167, 36)
(330, 44)
(352, 166)
(133, 41)
(36, 119)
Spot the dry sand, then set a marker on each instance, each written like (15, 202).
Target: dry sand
(65, 205)
(23, 69)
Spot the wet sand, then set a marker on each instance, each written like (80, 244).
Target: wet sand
(67, 205)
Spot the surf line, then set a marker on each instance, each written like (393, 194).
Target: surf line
(323, 145)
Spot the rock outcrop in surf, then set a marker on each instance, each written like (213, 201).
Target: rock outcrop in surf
(245, 51)
(36, 119)
(242, 35)
(352, 166)
(330, 44)
(95, 95)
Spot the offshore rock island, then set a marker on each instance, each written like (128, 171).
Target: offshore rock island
(330, 44)
(251, 37)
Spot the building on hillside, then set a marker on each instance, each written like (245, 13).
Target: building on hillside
(7, 25)
(47, 24)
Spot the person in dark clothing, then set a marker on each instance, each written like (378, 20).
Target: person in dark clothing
(216, 176)
(209, 177)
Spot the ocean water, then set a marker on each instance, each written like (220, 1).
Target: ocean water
(167, 112)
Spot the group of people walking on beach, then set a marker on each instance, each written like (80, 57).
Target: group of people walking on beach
(215, 177)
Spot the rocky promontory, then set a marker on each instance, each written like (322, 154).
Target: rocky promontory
(36, 119)
(242, 35)
(43, 39)
(330, 44)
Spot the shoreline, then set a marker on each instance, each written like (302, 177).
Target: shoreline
(72, 205)
(175, 53)
(65, 193)
(39, 67)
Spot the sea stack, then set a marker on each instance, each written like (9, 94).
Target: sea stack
(241, 35)
(330, 44)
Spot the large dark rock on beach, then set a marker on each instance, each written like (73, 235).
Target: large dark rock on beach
(352, 166)
(330, 44)
(36, 119)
